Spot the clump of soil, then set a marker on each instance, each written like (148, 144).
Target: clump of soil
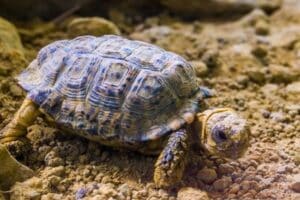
(252, 63)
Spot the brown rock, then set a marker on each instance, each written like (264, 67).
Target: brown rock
(257, 75)
(207, 175)
(200, 68)
(9, 37)
(262, 27)
(52, 196)
(16, 90)
(55, 171)
(96, 26)
(279, 73)
(215, 7)
(225, 169)
(222, 184)
(296, 187)
(293, 88)
(188, 193)
(29, 189)
(234, 189)
(296, 184)
(11, 171)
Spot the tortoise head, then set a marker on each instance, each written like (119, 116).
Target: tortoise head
(224, 132)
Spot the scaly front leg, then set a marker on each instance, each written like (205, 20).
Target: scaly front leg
(170, 165)
(24, 117)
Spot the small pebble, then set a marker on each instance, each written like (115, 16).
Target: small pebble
(222, 184)
(80, 194)
(207, 175)
(200, 68)
(188, 193)
(296, 183)
(296, 187)
(16, 90)
(225, 169)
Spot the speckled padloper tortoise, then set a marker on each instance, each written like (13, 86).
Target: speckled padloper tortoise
(129, 94)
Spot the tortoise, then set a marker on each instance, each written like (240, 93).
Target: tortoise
(127, 94)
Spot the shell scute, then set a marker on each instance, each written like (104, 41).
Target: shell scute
(111, 85)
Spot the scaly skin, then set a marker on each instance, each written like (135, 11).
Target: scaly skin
(171, 162)
(17, 128)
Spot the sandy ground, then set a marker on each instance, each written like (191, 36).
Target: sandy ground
(252, 62)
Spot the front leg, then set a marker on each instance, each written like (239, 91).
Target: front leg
(24, 117)
(171, 162)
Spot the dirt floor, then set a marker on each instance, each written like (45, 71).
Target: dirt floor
(252, 62)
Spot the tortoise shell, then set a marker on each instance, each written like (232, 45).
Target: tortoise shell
(112, 90)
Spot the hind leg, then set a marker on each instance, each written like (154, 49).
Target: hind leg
(24, 117)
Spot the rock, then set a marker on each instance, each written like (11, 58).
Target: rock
(285, 37)
(52, 160)
(9, 37)
(296, 159)
(200, 68)
(249, 185)
(124, 190)
(107, 191)
(189, 193)
(293, 88)
(225, 169)
(16, 90)
(52, 196)
(262, 27)
(234, 188)
(11, 170)
(296, 186)
(257, 75)
(54, 181)
(91, 26)
(218, 7)
(260, 51)
(11, 49)
(269, 6)
(207, 175)
(278, 116)
(253, 17)
(38, 134)
(210, 58)
(29, 189)
(242, 80)
(296, 183)
(281, 169)
(222, 184)
(279, 74)
(55, 171)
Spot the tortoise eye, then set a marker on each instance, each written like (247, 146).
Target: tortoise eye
(218, 134)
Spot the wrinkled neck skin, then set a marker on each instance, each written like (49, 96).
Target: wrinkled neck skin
(195, 128)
